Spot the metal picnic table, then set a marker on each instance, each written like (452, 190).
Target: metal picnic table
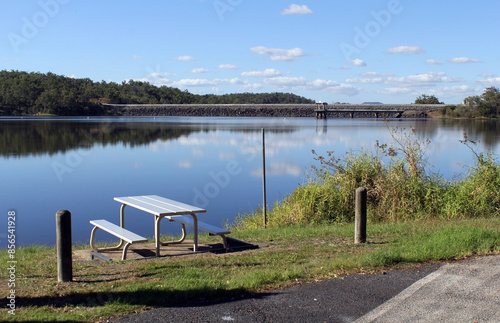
(161, 207)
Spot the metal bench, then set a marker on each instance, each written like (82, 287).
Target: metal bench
(212, 230)
(122, 233)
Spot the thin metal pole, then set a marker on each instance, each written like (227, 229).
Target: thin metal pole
(264, 205)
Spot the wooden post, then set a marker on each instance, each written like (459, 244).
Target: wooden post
(63, 232)
(360, 216)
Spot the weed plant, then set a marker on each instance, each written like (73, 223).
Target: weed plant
(400, 188)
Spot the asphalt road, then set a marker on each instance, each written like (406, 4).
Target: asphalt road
(465, 291)
(343, 299)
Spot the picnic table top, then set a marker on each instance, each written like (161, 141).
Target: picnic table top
(158, 205)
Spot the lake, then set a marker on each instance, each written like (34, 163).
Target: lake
(80, 164)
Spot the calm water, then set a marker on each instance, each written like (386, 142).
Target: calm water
(80, 164)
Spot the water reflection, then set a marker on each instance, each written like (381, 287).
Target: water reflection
(81, 164)
(51, 136)
(24, 137)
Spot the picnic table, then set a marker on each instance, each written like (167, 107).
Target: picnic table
(161, 208)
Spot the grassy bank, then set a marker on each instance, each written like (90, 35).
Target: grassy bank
(294, 254)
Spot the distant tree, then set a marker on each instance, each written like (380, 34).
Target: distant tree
(427, 99)
(491, 97)
(488, 104)
(472, 100)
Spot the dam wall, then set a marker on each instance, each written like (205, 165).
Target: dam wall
(265, 110)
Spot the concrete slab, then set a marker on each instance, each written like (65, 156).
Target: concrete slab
(146, 250)
(467, 291)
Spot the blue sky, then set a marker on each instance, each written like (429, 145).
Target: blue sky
(348, 51)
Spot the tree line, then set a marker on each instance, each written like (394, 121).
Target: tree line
(23, 93)
(486, 105)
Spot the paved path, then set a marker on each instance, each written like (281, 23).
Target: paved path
(467, 291)
(460, 292)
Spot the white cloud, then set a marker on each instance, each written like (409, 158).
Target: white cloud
(292, 83)
(358, 62)
(464, 60)
(405, 50)
(284, 81)
(295, 9)
(375, 74)
(136, 57)
(345, 89)
(428, 79)
(365, 81)
(205, 82)
(396, 90)
(251, 87)
(433, 62)
(278, 54)
(199, 70)
(154, 75)
(270, 72)
(185, 58)
(227, 67)
(487, 75)
(461, 91)
(152, 79)
(492, 81)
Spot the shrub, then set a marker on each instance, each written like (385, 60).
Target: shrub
(398, 185)
(478, 194)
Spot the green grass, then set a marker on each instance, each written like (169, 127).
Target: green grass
(294, 253)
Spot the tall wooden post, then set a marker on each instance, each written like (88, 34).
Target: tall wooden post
(360, 216)
(63, 232)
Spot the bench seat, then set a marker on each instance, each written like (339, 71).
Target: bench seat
(119, 232)
(211, 229)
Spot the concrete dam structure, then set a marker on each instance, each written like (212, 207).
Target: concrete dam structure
(275, 110)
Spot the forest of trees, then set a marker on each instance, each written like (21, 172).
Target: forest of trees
(23, 93)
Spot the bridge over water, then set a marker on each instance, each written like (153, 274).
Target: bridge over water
(274, 110)
(384, 110)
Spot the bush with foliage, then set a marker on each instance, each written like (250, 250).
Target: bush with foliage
(398, 184)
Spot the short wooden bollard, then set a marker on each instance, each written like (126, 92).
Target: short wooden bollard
(63, 232)
(360, 216)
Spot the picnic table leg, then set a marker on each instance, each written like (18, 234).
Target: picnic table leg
(176, 241)
(195, 228)
(157, 234)
(122, 221)
(92, 242)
